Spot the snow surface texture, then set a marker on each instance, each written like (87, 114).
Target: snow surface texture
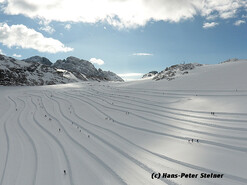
(120, 133)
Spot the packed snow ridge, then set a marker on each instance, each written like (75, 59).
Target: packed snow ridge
(40, 71)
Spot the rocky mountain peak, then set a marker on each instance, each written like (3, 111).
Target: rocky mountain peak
(83, 68)
(38, 59)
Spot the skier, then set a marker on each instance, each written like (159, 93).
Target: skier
(64, 172)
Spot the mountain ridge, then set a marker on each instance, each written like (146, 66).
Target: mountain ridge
(172, 72)
(79, 66)
(38, 70)
(20, 73)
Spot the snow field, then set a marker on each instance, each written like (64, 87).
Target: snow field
(121, 133)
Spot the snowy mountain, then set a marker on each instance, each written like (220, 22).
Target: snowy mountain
(83, 68)
(17, 72)
(39, 71)
(110, 76)
(151, 74)
(38, 59)
(230, 60)
(172, 72)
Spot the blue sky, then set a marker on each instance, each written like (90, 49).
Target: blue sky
(126, 37)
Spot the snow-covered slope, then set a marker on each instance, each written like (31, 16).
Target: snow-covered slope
(16, 72)
(127, 133)
(81, 68)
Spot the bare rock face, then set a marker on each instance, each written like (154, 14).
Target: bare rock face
(85, 70)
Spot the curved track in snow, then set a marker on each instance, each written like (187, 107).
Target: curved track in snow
(94, 133)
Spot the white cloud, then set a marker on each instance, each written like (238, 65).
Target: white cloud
(209, 24)
(212, 17)
(119, 13)
(96, 61)
(123, 13)
(67, 26)
(1, 52)
(16, 55)
(46, 27)
(238, 22)
(142, 54)
(222, 8)
(20, 35)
